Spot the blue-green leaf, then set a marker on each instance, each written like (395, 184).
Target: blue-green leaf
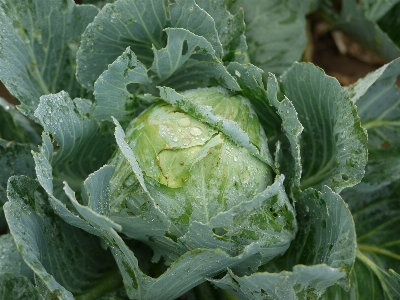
(268, 220)
(377, 99)
(322, 254)
(59, 254)
(11, 260)
(333, 144)
(276, 115)
(14, 126)
(15, 159)
(131, 23)
(230, 29)
(264, 19)
(17, 287)
(187, 61)
(79, 144)
(39, 44)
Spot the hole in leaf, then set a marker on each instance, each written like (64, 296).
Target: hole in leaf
(56, 145)
(398, 81)
(385, 144)
(345, 177)
(133, 87)
(219, 231)
(185, 47)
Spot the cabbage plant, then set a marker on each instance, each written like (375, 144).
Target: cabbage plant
(165, 150)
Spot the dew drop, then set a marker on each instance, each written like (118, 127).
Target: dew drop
(184, 122)
(195, 131)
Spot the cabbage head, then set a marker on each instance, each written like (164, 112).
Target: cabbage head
(193, 168)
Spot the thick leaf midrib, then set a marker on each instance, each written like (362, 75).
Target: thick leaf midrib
(375, 269)
(377, 250)
(319, 176)
(381, 123)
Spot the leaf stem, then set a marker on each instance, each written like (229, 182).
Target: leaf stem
(377, 123)
(111, 281)
(374, 268)
(366, 248)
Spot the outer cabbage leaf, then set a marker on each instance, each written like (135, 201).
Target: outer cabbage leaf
(375, 10)
(17, 287)
(187, 271)
(128, 23)
(322, 253)
(42, 39)
(78, 145)
(60, 255)
(377, 99)
(277, 116)
(11, 260)
(230, 29)
(186, 62)
(333, 143)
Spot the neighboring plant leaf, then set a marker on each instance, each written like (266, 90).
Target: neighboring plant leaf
(59, 254)
(360, 24)
(366, 284)
(322, 253)
(42, 39)
(376, 214)
(17, 287)
(390, 23)
(377, 99)
(11, 260)
(80, 145)
(371, 9)
(333, 143)
(264, 19)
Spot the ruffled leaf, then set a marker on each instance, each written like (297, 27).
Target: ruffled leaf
(79, 145)
(59, 254)
(128, 23)
(322, 254)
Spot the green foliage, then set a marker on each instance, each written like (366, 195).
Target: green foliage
(175, 148)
